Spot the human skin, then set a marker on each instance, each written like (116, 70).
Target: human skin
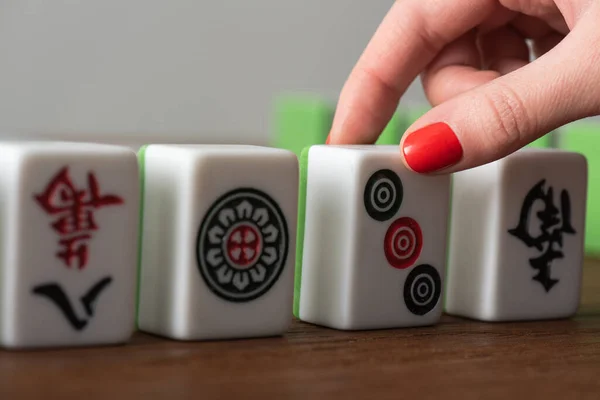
(489, 99)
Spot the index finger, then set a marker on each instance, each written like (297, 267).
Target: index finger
(410, 36)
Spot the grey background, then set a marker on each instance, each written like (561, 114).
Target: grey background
(177, 70)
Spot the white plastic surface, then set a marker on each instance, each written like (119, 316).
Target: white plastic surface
(189, 188)
(489, 273)
(99, 289)
(347, 281)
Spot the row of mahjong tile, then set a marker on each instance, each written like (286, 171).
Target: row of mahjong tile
(301, 121)
(382, 245)
(219, 242)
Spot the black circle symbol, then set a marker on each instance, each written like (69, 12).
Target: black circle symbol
(422, 289)
(242, 245)
(383, 195)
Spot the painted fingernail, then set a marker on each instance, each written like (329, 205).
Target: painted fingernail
(432, 148)
(328, 140)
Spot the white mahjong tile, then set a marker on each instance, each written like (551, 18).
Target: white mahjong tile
(374, 240)
(219, 237)
(69, 222)
(516, 246)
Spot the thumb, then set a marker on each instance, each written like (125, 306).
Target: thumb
(498, 118)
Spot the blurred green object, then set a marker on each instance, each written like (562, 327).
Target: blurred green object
(301, 121)
(413, 113)
(393, 131)
(584, 137)
(303, 161)
(545, 142)
(141, 156)
(400, 123)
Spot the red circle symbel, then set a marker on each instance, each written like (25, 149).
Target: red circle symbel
(403, 243)
(243, 245)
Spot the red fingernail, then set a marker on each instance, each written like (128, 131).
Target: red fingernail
(328, 139)
(432, 148)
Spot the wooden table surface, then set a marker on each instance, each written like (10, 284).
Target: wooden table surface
(457, 359)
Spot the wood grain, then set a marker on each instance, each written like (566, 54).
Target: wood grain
(457, 359)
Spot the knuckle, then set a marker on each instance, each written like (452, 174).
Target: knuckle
(376, 79)
(511, 120)
(431, 40)
(538, 8)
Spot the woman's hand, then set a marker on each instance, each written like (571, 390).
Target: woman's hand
(489, 99)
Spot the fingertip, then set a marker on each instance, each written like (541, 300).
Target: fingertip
(432, 148)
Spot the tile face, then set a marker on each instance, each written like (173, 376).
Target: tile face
(243, 245)
(374, 249)
(516, 244)
(69, 213)
(218, 241)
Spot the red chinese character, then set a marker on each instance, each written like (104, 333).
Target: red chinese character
(80, 253)
(75, 211)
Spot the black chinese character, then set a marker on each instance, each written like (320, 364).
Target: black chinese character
(554, 223)
(55, 293)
